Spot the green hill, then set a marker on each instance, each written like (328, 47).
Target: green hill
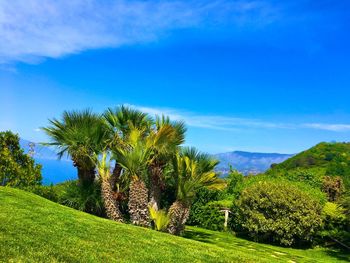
(331, 159)
(34, 229)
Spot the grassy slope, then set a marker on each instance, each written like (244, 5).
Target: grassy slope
(36, 230)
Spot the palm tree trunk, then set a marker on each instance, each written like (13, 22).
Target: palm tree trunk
(115, 176)
(138, 203)
(111, 205)
(86, 176)
(179, 213)
(156, 186)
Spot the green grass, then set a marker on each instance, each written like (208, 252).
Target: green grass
(272, 253)
(33, 229)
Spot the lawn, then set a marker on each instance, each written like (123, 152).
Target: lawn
(34, 229)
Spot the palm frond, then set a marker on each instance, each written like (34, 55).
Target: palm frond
(193, 171)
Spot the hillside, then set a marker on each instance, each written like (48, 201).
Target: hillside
(34, 229)
(249, 162)
(326, 158)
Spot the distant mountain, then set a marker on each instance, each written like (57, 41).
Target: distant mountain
(54, 171)
(248, 162)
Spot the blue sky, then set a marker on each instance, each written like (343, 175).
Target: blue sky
(268, 76)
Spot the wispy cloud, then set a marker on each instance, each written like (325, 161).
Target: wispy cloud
(32, 30)
(328, 127)
(226, 123)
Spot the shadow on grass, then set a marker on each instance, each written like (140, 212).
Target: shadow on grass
(199, 236)
(339, 254)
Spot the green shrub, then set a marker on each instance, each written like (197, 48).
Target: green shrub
(17, 169)
(334, 226)
(87, 198)
(212, 215)
(278, 212)
(69, 193)
(203, 197)
(314, 192)
(48, 192)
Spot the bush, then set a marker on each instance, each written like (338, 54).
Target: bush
(334, 222)
(211, 215)
(17, 169)
(278, 212)
(87, 198)
(48, 192)
(203, 197)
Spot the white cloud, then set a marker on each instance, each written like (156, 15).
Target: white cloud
(32, 30)
(234, 123)
(328, 127)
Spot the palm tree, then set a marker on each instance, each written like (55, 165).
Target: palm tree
(193, 170)
(166, 138)
(134, 159)
(111, 206)
(120, 121)
(81, 135)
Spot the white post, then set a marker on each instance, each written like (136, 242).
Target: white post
(227, 212)
(226, 218)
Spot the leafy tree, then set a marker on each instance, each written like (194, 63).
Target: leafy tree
(235, 183)
(333, 186)
(193, 171)
(81, 135)
(17, 169)
(278, 212)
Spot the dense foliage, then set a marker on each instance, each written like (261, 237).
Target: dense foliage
(334, 223)
(69, 193)
(332, 159)
(278, 212)
(148, 165)
(17, 169)
(325, 167)
(202, 198)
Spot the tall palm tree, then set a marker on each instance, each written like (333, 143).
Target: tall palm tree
(134, 159)
(193, 170)
(166, 138)
(111, 206)
(81, 135)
